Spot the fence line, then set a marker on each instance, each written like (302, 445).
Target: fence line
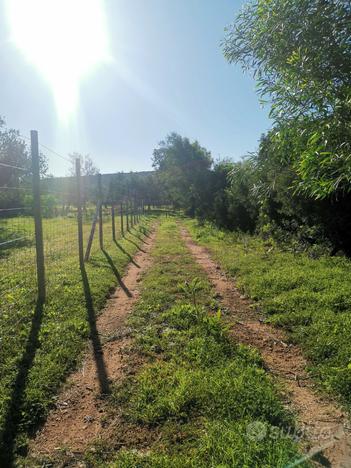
(42, 222)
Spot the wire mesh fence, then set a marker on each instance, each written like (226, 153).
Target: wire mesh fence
(18, 273)
(17, 238)
(39, 225)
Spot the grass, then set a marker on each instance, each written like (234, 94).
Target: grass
(310, 297)
(40, 346)
(203, 394)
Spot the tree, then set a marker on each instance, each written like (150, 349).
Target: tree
(243, 206)
(300, 52)
(87, 166)
(184, 168)
(16, 168)
(87, 170)
(287, 213)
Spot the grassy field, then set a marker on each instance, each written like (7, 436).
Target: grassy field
(39, 346)
(199, 391)
(310, 297)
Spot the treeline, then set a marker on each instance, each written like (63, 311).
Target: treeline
(297, 186)
(115, 188)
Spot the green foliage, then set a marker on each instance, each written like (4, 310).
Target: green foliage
(15, 154)
(242, 206)
(296, 188)
(184, 168)
(230, 390)
(143, 186)
(221, 444)
(305, 72)
(191, 289)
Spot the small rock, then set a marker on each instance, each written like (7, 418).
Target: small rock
(88, 419)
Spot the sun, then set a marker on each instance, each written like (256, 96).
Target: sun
(64, 40)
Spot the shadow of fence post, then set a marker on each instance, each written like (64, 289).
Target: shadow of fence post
(14, 411)
(117, 275)
(94, 337)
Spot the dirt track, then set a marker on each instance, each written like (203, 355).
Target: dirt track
(325, 427)
(79, 417)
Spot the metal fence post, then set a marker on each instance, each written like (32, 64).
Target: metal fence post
(79, 215)
(101, 231)
(113, 223)
(122, 227)
(39, 243)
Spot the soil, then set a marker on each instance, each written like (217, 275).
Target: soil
(80, 416)
(324, 428)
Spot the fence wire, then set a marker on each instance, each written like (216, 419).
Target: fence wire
(17, 246)
(103, 223)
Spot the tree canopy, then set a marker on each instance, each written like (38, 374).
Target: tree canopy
(183, 166)
(300, 54)
(16, 166)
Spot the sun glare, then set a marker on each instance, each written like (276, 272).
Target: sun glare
(64, 39)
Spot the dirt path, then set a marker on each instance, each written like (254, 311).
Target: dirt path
(324, 427)
(80, 417)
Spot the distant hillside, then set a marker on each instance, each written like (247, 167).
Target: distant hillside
(114, 186)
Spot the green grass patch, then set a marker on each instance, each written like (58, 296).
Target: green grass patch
(310, 297)
(205, 394)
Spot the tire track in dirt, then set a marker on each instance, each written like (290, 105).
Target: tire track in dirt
(80, 416)
(324, 427)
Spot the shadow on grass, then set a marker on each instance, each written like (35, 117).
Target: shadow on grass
(134, 243)
(14, 412)
(138, 237)
(144, 230)
(322, 460)
(117, 275)
(13, 418)
(94, 337)
(127, 254)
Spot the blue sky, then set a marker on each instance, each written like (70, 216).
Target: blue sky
(167, 74)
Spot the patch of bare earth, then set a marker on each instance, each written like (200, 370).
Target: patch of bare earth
(324, 427)
(80, 416)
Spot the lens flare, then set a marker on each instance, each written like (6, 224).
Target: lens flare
(64, 40)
